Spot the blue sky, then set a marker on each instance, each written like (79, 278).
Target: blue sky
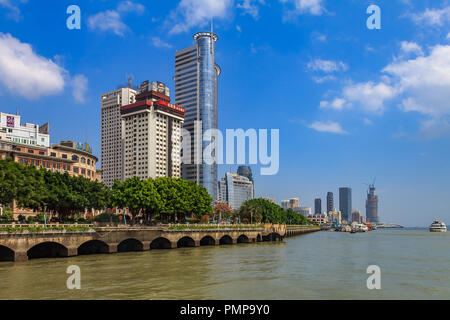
(351, 103)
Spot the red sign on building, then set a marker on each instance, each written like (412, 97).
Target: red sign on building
(10, 121)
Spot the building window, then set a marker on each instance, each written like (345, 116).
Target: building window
(53, 154)
(64, 156)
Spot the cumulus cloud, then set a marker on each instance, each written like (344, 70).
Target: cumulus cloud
(25, 73)
(421, 85)
(424, 82)
(330, 127)
(79, 87)
(197, 13)
(436, 17)
(111, 20)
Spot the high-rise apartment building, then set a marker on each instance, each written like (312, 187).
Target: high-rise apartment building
(318, 206)
(235, 189)
(372, 205)
(330, 202)
(345, 203)
(111, 140)
(196, 75)
(151, 132)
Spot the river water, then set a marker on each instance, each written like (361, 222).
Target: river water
(414, 264)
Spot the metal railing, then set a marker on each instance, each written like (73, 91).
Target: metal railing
(25, 225)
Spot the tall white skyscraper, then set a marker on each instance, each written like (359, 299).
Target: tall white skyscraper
(111, 140)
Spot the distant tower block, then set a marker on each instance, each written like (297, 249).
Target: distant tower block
(372, 205)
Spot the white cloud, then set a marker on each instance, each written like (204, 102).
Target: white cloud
(129, 6)
(251, 7)
(158, 43)
(323, 79)
(368, 122)
(424, 82)
(13, 10)
(367, 96)
(197, 13)
(411, 47)
(108, 21)
(448, 36)
(421, 85)
(24, 72)
(111, 20)
(432, 16)
(331, 127)
(321, 37)
(327, 65)
(238, 28)
(314, 7)
(79, 87)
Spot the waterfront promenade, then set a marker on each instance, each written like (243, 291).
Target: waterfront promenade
(24, 245)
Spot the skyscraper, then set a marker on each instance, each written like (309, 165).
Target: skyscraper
(151, 133)
(372, 205)
(111, 143)
(345, 203)
(318, 206)
(330, 202)
(196, 75)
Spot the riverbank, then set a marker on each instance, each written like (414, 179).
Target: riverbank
(53, 243)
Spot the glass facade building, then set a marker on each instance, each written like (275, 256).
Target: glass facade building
(196, 75)
(330, 202)
(345, 203)
(235, 189)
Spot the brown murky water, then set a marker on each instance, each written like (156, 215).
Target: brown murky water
(324, 265)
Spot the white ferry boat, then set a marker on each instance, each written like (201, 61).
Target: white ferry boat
(438, 226)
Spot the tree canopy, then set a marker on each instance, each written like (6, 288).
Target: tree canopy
(264, 211)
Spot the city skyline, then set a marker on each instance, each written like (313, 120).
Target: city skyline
(392, 131)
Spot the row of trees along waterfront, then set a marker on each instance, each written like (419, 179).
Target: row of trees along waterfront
(161, 199)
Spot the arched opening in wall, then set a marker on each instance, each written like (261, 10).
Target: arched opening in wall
(93, 247)
(273, 237)
(130, 245)
(243, 239)
(207, 241)
(186, 242)
(47, 250)
(160, 243)
(6, 254)
(258, 238)
(226, 240)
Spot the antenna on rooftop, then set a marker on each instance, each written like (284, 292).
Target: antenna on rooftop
(130, 83)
